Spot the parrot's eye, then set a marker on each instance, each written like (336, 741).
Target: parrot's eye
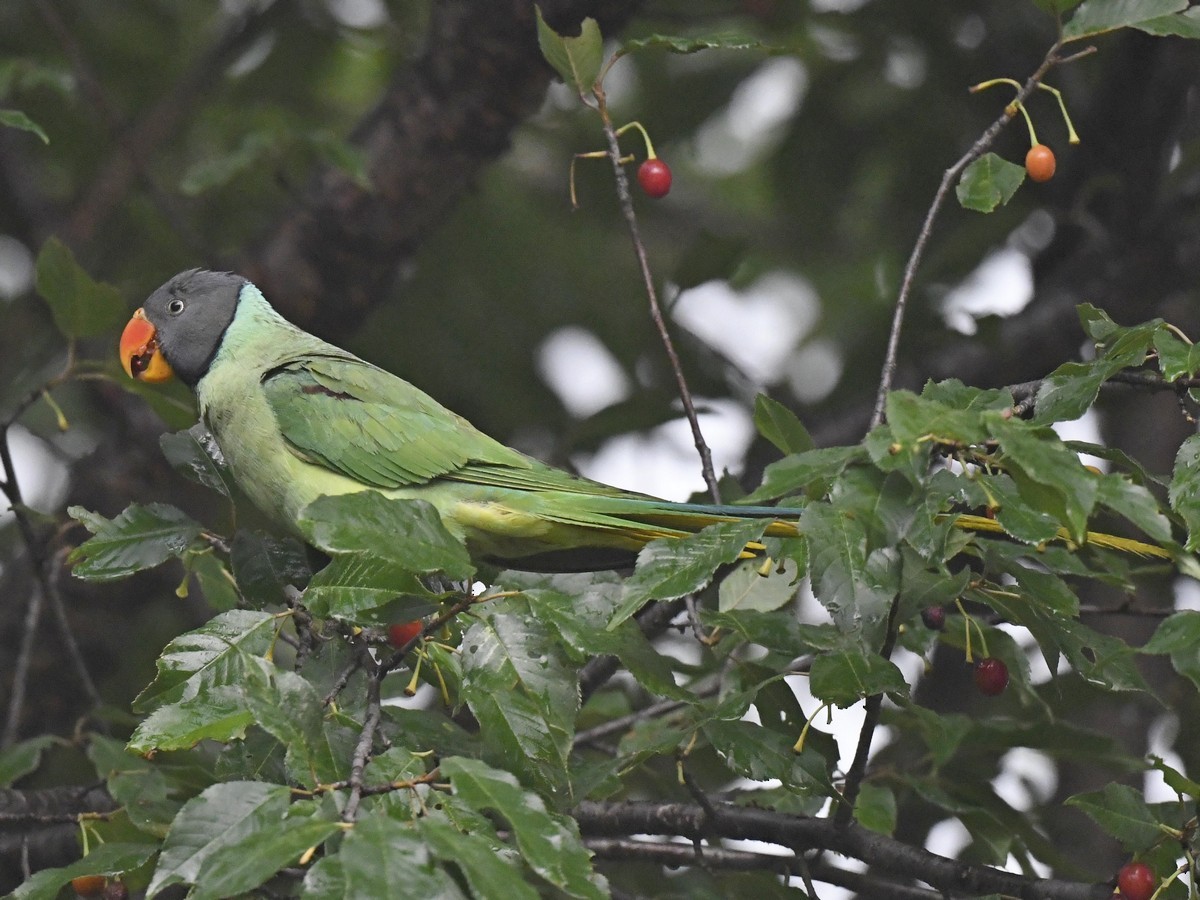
(175, 307)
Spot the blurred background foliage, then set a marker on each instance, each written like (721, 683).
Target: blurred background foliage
(212, 134)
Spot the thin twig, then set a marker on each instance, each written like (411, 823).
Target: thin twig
(366, 740)
(626, 202)
(951, 175)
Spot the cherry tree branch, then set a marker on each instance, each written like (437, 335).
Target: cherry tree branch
(801, 834)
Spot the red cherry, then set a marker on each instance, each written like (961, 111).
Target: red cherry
(1039, 162)
(400, 633)
(991, 676)
(934, 617)
(1136, 881)
(88, 885)
(654, 176)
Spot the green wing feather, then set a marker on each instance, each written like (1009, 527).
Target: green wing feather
(369, 425)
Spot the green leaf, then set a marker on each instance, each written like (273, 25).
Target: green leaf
(1179, 637)
(195, 455)
(847, 677)
(151, 792)
(672, 567)
(141, 537)
(215, 580)
(210, 653)
(110, 858)
(749, 587)
(233, 837)
(578, 607)
(523, 694)
(489, 872)
(291, 711)
(381, 857)
(576, 59)
(81, 307)
(549, 843)
(762, 754)
(1121, 812)
(1049, 476)
(14, 118)
(264, 565)
(1098, 16)
(876, 808)
(1185, 24)
(989, 182)
(23, 757)
(409, 533)
(358, 586)
(854, 584)
(780, 426)
(1185, 489)
(203, 678)
(800, 471)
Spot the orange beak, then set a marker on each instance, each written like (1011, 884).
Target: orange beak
(139, 351)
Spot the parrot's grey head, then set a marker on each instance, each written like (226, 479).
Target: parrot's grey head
(180, 326)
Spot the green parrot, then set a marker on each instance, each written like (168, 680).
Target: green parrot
(297, 418)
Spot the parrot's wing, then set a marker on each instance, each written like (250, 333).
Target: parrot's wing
(349, 416)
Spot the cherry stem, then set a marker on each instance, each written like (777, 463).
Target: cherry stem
(1072, 136)
(650, 154)
(1033, 138)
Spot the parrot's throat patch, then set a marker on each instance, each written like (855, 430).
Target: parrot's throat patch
(140, 362)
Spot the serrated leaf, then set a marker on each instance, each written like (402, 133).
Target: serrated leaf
(151, 793)
(409, 533)
(1099, 16)
(109, 858)
(794, 474)
(524, 695)
(748, 586)
(1049, 477)
(1122, 813)
(780, 426)
(1185, 489)
(264, 565)
(1185, 24)
(761, 754)
(194, 454)
(210, 652)
(854, 584)
(355, 586)
(576, 59)
(1179, 637)
(578, 608)
(988, 182)
(382, 857)
(233, 837)
(673, 567)
(14, 118)
(548, 843)
(488, 871)
(23, 757)
(81, 306)
(141, 537)
(845, 678)
(290, 710)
